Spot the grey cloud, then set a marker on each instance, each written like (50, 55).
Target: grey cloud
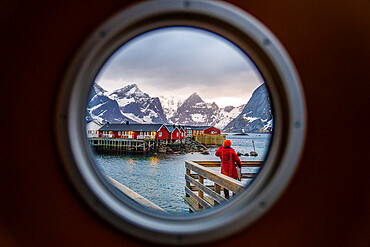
(180, 56)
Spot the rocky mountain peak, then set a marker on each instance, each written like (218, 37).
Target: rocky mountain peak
(256, 115)
(131, 90)
(193, 99)
(98, 89)
(228, 108)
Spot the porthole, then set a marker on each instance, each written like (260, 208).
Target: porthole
(120, 210)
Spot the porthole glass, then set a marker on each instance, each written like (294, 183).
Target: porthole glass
(127, 139)
(177, 94)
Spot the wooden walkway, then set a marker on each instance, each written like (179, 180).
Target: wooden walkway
(199, 196)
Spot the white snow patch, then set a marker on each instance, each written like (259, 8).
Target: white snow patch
(124, 101)
(97, 106)
(101, 114)
(133, 117)
(251, 119)
(224, 118)
(99, 119)
(170, 105)
(197, 117)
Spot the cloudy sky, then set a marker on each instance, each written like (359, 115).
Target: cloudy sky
(180, 61)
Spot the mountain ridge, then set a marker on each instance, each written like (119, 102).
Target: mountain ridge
(131, 104)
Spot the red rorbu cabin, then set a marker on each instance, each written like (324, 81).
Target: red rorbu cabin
(212, 131)
(182, 132)
(135, 131)
(154, 131)
(175, 132)
(205, 130)
(163, 133)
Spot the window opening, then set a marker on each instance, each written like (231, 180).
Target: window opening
(176, 77)
(83, 161)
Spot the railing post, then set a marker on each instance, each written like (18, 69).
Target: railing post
(218, 191)
(201, 180)
(200, 192)
(187, 183)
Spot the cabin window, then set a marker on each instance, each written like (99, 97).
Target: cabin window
(244, 56)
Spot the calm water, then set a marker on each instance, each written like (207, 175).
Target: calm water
(160, 178)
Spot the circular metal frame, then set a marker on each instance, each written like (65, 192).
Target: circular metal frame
(278, 72)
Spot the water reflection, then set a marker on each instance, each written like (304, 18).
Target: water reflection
(129, 163)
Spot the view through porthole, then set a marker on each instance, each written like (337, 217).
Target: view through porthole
(161, 107)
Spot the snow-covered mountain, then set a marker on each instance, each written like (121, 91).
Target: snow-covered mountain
(226, 115)
(256, 115)
(131, 104)
(98, 90)
(103, 109)
(138, 106)
(194, 111)
(170, 105)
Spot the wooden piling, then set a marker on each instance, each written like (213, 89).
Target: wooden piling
(123, 146)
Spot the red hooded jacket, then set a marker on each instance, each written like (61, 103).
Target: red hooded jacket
(229, 160)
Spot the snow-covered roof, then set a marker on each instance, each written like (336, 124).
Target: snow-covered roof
(199, 127)
(171, 128)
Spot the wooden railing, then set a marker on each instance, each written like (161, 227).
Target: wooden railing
(200, 196)
(135, 196)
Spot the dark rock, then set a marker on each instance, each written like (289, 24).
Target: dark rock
(241, 134)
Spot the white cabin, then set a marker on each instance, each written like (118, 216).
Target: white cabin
(92, 129)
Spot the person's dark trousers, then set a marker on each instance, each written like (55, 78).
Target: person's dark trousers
(226, 191)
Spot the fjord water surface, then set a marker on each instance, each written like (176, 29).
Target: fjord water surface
(160, 178)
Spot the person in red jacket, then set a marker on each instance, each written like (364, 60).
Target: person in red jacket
(229, 161)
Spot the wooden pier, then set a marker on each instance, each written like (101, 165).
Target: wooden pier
(199, 196)
(210, 139)
(123, 146)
